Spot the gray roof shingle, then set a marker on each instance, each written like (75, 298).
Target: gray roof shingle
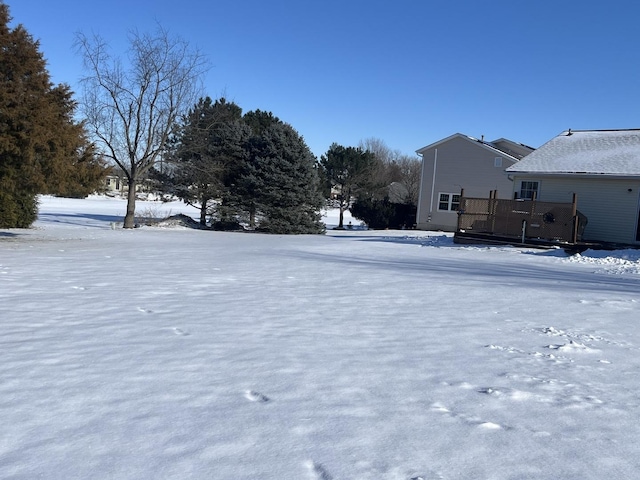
(597, 152)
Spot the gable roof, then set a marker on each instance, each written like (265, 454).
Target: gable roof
(586, 152)
(499, 147)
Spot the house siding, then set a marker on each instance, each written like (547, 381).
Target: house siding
(461, 164)
(612, 213)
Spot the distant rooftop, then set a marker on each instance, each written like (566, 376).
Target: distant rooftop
(514, 150)
(592, 152)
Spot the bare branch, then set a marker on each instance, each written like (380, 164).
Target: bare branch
(131, 110)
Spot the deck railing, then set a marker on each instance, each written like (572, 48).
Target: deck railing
(521, 219)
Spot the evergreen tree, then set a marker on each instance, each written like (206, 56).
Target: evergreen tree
(259, 120)
(42, 148)
(205, 155)
(280, 181)
(244, 195)
(350, 171)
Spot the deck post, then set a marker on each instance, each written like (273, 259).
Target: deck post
(532, 211)
(461, 208)
(492, 209)
(574, 214)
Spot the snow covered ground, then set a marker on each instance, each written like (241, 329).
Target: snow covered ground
(168, 353)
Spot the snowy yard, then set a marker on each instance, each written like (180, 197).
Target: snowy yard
(168, 353)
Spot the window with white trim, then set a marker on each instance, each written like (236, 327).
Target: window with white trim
(448, 202)
(497, 162)
(528, 190)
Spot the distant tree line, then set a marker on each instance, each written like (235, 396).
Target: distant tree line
(251, 170)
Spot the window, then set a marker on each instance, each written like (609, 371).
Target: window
(528, 190)
(449, 202)
(497, 162)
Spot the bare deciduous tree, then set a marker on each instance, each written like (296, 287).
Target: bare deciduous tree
(395, 168)
(411, 168)
(131, 108)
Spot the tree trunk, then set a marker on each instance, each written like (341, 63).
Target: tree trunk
(252, 216)
(341, 218)
(130, 217)
(203, 212)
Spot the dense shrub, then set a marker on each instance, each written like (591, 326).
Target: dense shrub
(381, 214)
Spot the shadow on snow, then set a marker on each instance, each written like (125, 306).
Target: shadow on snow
(504, 273)
(80, 218)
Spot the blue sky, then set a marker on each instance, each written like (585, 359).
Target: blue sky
(409, 72)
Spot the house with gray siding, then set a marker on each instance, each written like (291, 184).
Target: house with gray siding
(457, 163)
(601, 167)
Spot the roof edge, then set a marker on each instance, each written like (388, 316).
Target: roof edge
(484, 144)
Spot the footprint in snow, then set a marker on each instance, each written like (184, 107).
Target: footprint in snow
(144, 310)
(179, 331)
(489, 426)
(468, 419)
(318, 471)
(256, 396)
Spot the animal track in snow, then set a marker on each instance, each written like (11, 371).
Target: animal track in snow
(621, 304)
(439, 407)
(374, 469)
(504, 349)
(318, 471)
(508, 393)
(581, 337)
(573, 347)
(256, 396)
(547, 391)
(490, 426)
(468, 419)
(549, 356)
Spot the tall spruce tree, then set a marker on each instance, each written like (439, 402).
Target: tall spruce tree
(42, 148)
(205, 155)
(280, 184)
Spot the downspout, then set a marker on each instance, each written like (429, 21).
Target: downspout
(419, 207)
(433, 183)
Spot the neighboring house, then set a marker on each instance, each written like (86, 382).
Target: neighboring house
(601, 167)
(116, 183)
(113, 184)
(460, 162)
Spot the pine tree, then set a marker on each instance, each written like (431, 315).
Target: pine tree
(40, 143)
(280, 182)
(205, 154)
(349, 170)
